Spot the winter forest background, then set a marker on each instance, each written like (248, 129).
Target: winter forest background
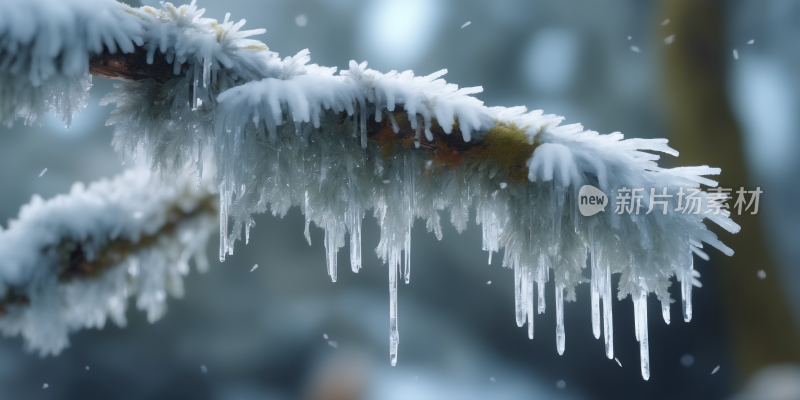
(259, 335)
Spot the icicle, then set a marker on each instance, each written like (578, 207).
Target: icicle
(331, 251)
(541, 279)
(354, 216)
(355, 238)
(641, 333)
(665, 311)
(250, 223)
(206, 72)
(557, 203)
(529, 299)
(307, 232)
(518, 299)
(408, 197)
(636, 328)
(223, 220)
(199, 164)
(395, 127)
(363, 115)
(595, 294)
(491, 231)
(194, 87)
(608, 325)
(407, 259)
(355, 125)
(686, 293)
(394, 337)
(419, 128)
(560, 335)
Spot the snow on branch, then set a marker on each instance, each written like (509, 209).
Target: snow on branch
(283, 132)
(73, 261)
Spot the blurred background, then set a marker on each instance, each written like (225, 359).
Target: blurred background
(260, 335)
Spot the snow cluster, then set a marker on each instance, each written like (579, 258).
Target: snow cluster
(283, 132)
(44, 51)
(92, 222)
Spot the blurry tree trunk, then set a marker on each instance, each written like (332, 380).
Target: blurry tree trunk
(705, 131)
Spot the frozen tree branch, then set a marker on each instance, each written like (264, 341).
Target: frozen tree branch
(284, 132)
(73, 261)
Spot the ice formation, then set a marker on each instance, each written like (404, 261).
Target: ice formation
(73, 261)
(284, 132)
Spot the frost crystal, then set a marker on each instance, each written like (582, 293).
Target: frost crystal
(283, 132)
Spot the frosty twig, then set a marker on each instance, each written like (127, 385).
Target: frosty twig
(72, 261)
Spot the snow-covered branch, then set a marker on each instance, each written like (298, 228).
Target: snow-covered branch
(72, 261)
(284, 132)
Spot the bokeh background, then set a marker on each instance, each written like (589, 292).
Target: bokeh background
(259, 335)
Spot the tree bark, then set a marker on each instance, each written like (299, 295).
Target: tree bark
(705, 131)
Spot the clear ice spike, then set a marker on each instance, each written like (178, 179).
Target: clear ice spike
(595, 294)
(665, 311)
(518, 295)
(560, 336)
(307, 232)
(541, 279)
(686, 293)
(199, 165)
(407, 269)
(394, 338)
(529, 300)
(644, 345)
(331, 252)
(355, 241)
(608, 320)
(223, 221)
